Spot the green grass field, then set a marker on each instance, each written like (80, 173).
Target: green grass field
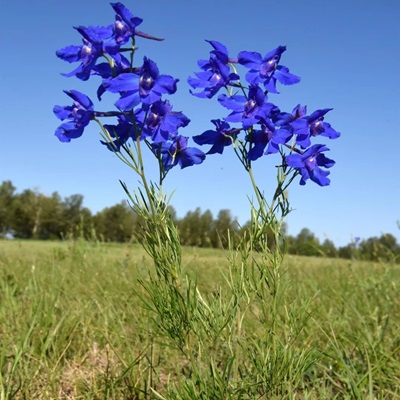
(72, 325)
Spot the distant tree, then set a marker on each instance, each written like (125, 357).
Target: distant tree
(116, 223)
(190, 229)
(290, 242)
(384, 248)
(7, 197)
(71, 211)
(223, 224)
(206, 225)
(28, 207)
(347, 251)
(52, 224)
(390, 242)
(306, 244)
(173, 213)
(328, 249)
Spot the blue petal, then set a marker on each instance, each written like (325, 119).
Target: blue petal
(62, 112)
(218, 46)
(250, 59)
(319, 176)
(294, 161)
(285, 77)
(235, 103)
(330, 132)
(257, 151)
(324, 161)
(126, 15)
(275, 53)
(191, 156)
(318, 114)
(207, 137)
(70, 53)
(253, 77)
(167, 84)
(128, 101)
(80, 98)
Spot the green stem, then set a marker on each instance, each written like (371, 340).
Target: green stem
(143, 178)
(106, 136)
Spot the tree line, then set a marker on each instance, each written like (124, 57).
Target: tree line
(32, 215)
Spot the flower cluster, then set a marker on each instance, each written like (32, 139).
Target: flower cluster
(143, 115)
(266, 129)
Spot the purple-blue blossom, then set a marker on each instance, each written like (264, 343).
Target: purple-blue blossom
(309, 164)
(310, 126)
(146, 86)
(120, 133)
(161, 122)
(248, 110)
(120, 65)
(78, 115)
(268, 137)
(215, 72)
(177, 152)
(266, 70)
(219, 138)
(87, 54)
(125, 23)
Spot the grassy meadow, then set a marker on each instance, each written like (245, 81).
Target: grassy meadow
(72, 325)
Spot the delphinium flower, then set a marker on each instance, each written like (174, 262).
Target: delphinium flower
(310, 126)
(267, 129)
(146, 86)
(78, 115)
(266, 70)
(159, 121)
(284, 119)
(125, 23)
(309, 163)
(93, 47)
(176, 152)
(120, 65)
(219, 138)
(216, 72)
(305, 127)
(249, 109)
(268, 137)
(101, 41)
(119, 134)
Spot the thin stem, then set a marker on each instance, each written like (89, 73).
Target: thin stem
(106, 136)
(143, 177)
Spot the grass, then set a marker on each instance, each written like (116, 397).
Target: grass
(72, 326)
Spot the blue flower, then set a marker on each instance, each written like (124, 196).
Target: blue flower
(79, 116)
(93, 47)
(311, 126)
(260, 138)
(161, 122)
(284, 119)
(266, 70)
(216, 72)
(121, 133)
(104, 70)
(146, 86)
(125, 23)
(308, 164)
(223, 136)
(177, 152)
(248, 110)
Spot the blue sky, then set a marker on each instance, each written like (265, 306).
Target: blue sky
(346, 52)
